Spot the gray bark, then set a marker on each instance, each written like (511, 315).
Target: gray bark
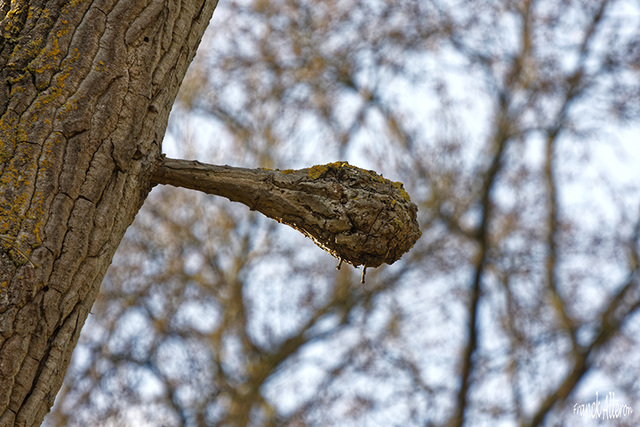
(354, 214)
(85, 92)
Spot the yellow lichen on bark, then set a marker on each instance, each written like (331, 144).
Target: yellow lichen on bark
(318, 171)
(13, 23)
(401, 190)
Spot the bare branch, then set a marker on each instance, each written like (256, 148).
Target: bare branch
(354, 214)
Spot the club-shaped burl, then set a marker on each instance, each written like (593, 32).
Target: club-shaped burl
(354, 214)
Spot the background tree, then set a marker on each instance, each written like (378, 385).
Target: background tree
(506, 120)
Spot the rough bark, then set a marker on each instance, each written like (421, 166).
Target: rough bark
(85, 92)
(354, 214)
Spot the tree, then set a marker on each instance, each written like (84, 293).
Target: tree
(86, 103)
(520, 297)
(521, 293)
(86, 90)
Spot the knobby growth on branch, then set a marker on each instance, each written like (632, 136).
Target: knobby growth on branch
(354, 214)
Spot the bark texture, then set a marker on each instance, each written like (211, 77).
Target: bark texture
(85, 92)
(354, 214)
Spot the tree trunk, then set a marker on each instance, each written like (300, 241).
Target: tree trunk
(85, 92)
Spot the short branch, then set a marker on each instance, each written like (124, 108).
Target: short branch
(354, 214)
